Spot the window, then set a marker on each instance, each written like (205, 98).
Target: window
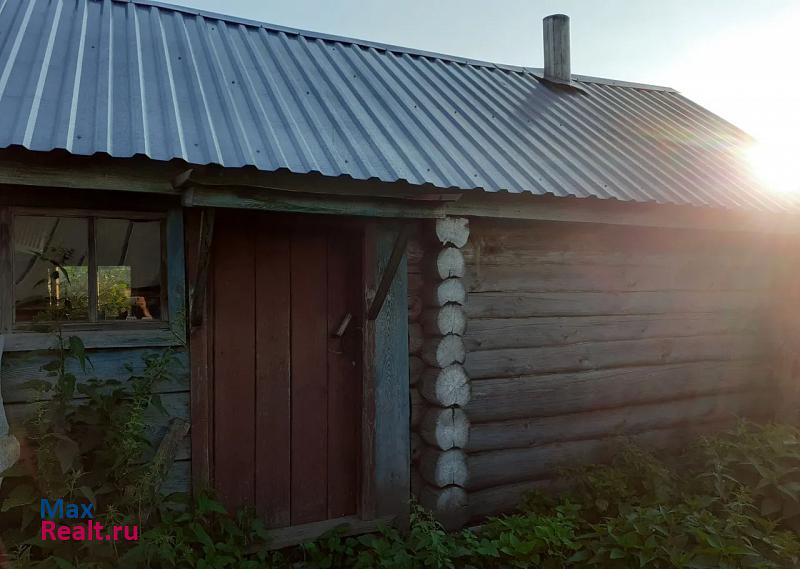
(82, 268)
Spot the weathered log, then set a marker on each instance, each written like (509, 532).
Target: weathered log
(527, 304)
(446, 387)
(508, 498)
(500, 333)
(619, 353)
(416, 338)
(449, 505)
(449, 290)
(500, 238)
(415, 306)
(627, 420)
(557, 394)
(453, 231)
(448, 262)
(415, 369)
(418, 407)
(495, 468)
(443, 351)
(551, 277)
(445, 429)
(442, 468)
(448, 319)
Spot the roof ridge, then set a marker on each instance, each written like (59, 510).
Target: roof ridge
(535, 71)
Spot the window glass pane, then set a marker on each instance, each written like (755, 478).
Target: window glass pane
(128, 269)
(51, 268)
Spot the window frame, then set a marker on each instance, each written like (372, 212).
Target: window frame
(168, 331)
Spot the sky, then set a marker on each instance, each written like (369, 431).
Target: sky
(738, 58)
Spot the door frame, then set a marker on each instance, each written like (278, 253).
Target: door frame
(384, 484)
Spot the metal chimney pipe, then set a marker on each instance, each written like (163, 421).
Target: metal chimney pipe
(556, 48)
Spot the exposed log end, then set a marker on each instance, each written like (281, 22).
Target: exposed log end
(453, 231)
(449, 505)
(446, 387)
(449, 319)
(447, 291)
(445, 429)
(448, 263)
(444, 351)
(443, 468)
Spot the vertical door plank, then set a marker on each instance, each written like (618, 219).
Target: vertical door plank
(234, 361)
(273, 379)
(344, 374)
(309, 372)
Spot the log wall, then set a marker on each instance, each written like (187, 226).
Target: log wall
(582, 336)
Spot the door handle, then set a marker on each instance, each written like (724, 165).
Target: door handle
(343, 325)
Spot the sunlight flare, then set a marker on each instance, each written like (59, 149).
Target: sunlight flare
(775, 164)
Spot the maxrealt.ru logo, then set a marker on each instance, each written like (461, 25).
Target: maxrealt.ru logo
(64, 521)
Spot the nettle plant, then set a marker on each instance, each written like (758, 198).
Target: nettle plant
(84, 442)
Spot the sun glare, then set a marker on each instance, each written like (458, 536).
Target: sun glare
(776, 166)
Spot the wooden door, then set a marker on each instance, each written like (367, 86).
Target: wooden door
(285, 327)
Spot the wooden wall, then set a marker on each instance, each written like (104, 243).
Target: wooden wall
(21, 367)
(579, 334)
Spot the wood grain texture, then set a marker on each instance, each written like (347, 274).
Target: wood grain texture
(144, 337)
(234, 361)
(441, 468)
(446, 387)
(344, 371)
(443, 351)
(495, 468)
(525, 304)
(618, 353)
(501, 333)
(445, 429)
(540, 277)
(626, 420)
(452, 231)
(392, 445)
(556, 394)
(273, 400)
(309, 365)
(21, 367)
(449, 319)
(448, 290)
(201, 362)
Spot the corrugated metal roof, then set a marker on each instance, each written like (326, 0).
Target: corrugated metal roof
(135, 77)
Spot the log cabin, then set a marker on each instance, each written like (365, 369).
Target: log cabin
(387, 272)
